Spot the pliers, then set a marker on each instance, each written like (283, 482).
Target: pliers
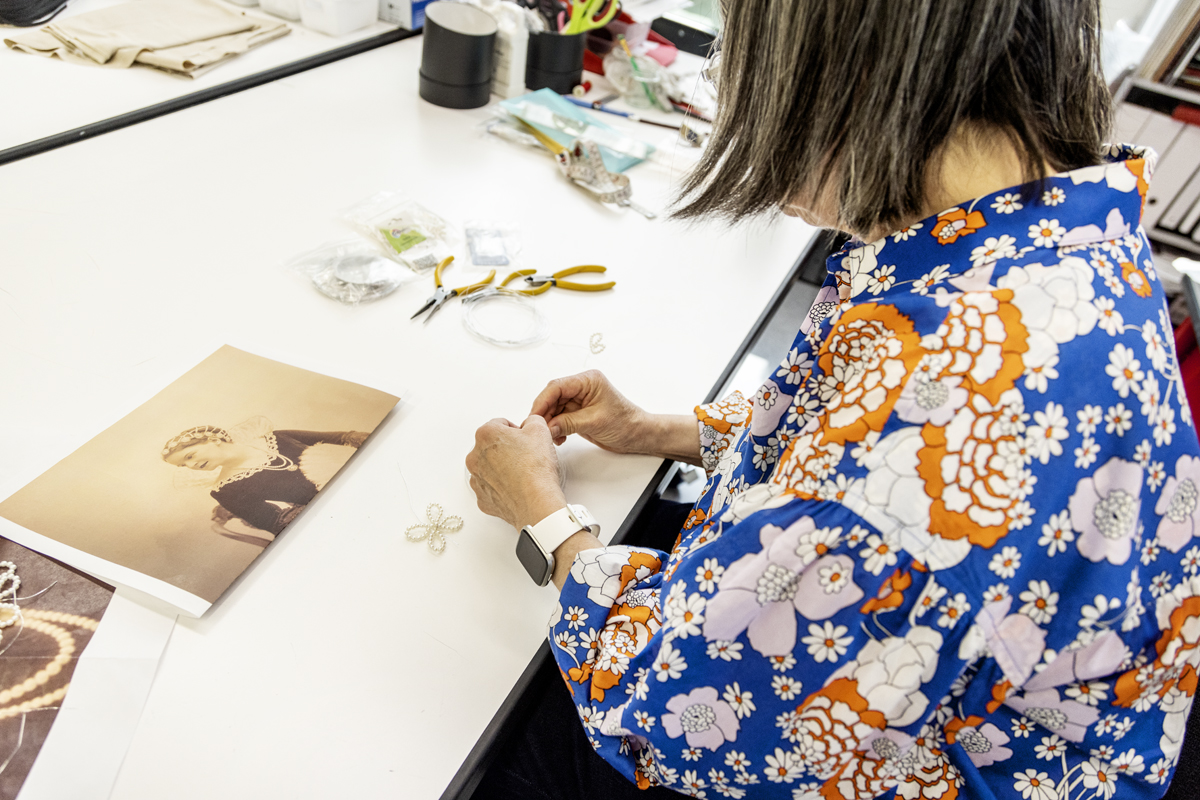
(442, 294)
(540, 283)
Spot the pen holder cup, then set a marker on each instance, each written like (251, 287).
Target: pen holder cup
(457, 55)
(554, 61)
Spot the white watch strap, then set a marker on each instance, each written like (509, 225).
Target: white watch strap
(562, 525)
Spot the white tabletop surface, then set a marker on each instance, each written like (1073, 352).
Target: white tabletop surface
(42, 97)
(347, 662)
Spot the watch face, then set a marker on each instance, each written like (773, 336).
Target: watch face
(536, 563)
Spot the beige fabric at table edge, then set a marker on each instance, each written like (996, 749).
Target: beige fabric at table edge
(183, 37)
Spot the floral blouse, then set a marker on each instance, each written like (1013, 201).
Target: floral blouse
(945, 551)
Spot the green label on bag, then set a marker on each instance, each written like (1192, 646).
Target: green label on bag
(402, 239)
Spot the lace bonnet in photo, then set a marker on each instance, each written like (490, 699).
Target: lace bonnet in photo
(257, 431)
(183, 477)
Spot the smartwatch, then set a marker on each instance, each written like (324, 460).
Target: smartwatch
(536, 546)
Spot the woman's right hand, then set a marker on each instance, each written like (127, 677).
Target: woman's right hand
(589, 405)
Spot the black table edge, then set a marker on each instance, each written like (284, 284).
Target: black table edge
(57, 140)
(462, 786)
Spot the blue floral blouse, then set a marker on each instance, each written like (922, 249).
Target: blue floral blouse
(946, 551)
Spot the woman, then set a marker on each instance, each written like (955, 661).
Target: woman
(262, 476)
(947, 549)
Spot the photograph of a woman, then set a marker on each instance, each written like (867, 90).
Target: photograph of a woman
(258, 475)
(178, 497)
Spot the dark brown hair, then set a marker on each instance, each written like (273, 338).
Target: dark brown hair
(864, 93)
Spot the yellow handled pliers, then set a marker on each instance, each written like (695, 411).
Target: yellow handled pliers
(536, 284)
(442, 294)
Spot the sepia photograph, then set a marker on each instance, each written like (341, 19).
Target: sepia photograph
(189, 488)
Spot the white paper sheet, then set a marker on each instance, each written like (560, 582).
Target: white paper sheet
(83, 753)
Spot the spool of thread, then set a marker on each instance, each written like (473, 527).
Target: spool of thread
(456, 55)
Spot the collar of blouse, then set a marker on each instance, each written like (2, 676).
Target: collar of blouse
(964, 246)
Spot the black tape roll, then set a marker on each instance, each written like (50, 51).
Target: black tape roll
(554, 61)
(456, 55)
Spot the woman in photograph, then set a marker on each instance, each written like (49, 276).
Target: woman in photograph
(948, 548)
(259, 475)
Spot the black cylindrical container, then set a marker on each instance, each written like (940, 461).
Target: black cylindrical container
(554, 61)
(456, 55)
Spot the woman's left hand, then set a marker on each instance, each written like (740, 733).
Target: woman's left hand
(514, 471)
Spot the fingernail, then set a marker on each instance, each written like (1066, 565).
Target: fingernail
(555, 431)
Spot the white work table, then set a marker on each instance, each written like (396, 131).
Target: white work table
(347, 661)
(46, 97)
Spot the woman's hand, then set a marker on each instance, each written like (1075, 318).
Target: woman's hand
(589, 405)
(514, 471)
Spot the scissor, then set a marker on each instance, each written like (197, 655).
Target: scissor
(541, 283)
(442, 294)
(586, 15)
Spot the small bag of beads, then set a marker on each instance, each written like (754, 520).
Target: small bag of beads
(413, 234)
(351, 270)
(492, 244)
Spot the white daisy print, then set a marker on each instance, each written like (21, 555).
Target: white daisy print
(575, 617)
(1090, 418)
(1164, 426)
(1085, 454)
(796, 368)
(827, 642)
(1034, 785)
(1046, 233)
(1006, 563)
(742, 702)
(1155, 475)
(1056, 534)
(953, 610)
(993, 249)
(644, 720)
(1125, 370)
(1118, 419)
(1053, 197)
(1040, 604)
(1007, 203)
(785, 688)
(880, 552)
(881, 279)
(1110, 320)
(904, 234)
(726, 651)
(1156, 349)
(708, 575)
(669, 664)
(932, 278)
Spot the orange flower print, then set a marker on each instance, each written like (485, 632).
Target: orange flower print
(974, 470)
(954, 223)
(1136, 279)
(1138, 167)
(981, 341)
(864, 363)
(695, 517)
(891, 593)
(933, 780)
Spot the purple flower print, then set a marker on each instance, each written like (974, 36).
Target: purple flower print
(702, 718)
(1067, 718)
(1104, 511)
(1177, 505)
(824, 305)
(761, 592)
(984, 745)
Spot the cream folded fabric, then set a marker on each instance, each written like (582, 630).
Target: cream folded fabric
(184, 37)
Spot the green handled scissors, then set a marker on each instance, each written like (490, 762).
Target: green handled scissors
(587, 15)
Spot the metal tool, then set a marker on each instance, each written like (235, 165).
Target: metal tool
(537, 284)
(442, 294)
